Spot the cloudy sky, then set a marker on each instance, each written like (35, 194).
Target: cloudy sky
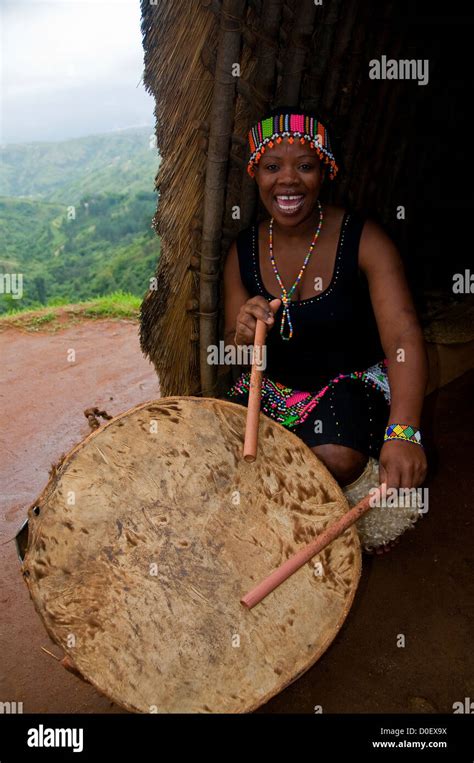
(70, 68)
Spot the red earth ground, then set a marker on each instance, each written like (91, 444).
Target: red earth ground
(422, 590)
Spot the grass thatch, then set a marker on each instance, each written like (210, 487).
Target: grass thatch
(175, 33)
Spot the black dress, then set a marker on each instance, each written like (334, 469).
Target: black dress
(328, 383)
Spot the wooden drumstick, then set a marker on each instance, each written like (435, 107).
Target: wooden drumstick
(294, 563)
(255, 393)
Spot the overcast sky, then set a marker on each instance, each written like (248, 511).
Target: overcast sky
(70, 68)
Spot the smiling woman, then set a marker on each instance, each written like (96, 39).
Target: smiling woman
(346, 367)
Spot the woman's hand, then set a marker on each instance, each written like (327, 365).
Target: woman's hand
(246, 323)
(402, 464)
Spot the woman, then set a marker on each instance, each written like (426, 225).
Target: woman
(346, 367)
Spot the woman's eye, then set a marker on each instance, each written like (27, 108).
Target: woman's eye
(305, 166)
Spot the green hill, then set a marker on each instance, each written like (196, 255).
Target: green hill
(124, 161)
(76, 218)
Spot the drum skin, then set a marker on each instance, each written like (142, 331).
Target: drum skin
(149, 532)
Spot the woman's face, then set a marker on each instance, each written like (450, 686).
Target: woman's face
(294, 170)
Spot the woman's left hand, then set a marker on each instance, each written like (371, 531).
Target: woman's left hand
(402, 464)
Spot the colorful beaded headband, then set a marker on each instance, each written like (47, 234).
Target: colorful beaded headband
(290, 126)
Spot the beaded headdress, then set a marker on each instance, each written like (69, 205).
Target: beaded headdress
(290, 125)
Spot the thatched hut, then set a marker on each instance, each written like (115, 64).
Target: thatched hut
(214, 67)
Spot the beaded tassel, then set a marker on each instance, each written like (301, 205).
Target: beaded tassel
(286, 295)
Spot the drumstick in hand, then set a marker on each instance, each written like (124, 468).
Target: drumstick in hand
(255, 393)
(302, 556)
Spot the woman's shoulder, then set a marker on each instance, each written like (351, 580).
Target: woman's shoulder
(244, 236)
(241, 247)
(335, 210)
(338, 214)
(334, 216)
(377, 249)
(241, 242)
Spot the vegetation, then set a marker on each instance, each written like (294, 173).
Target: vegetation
(56, 315)
(83, 230)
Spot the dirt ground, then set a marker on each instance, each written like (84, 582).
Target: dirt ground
(422, 590)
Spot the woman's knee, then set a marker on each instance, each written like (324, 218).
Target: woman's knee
(345, 464)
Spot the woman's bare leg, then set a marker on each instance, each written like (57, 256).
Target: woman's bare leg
(345, 464)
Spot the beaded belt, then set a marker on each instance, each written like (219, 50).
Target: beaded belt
(291, 407)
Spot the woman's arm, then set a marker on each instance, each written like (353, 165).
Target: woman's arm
(241, 310)
(235, 294)
(403, 463)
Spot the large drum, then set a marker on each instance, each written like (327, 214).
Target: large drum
(150, 531)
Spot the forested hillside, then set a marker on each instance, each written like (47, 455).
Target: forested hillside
(76, 217)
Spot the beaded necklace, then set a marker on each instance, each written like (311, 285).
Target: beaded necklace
(286, 295)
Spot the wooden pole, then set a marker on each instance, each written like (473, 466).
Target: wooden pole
(221, 127)
(296, 54)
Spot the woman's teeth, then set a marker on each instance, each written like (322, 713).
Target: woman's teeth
(289, 204)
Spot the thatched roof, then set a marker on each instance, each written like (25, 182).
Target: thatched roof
(290, 52)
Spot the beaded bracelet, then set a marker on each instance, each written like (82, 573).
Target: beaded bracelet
(403, 432)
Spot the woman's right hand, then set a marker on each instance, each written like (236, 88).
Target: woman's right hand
(246, 323)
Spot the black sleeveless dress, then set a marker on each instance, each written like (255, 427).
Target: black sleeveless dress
(328, 383)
